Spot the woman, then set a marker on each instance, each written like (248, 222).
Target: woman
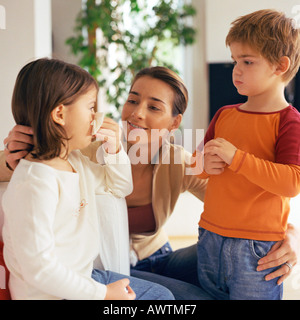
(157, 100)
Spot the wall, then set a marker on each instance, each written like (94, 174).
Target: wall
(64, 14)
(196, 76)
(27, 36)
(220, 14)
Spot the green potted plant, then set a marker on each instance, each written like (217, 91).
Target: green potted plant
(135, 32)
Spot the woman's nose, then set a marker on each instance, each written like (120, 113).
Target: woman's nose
(139, 111)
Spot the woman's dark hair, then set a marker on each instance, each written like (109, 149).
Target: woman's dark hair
(41, 86)
(173, 80)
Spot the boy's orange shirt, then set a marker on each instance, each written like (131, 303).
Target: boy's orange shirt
(250, 199)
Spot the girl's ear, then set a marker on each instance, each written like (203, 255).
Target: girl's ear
(283, 65)
(58, 114)
(176, 122)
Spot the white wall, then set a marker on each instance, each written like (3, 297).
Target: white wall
(220, 14)
(196, 74)
(64, 13)
(27, 36)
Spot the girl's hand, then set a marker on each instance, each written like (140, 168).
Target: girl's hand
(284, 251)
(18, 144)
(119, 290)
(110, 133)
(222, 148)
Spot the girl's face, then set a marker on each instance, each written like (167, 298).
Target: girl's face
(148, 107)
(78, 117)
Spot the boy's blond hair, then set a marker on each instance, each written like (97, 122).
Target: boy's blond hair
(272, 34)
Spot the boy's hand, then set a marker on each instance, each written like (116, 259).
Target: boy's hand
(119, 290)
(213, 164)
(222, 148)
(110, 133)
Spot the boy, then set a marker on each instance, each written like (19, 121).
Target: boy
(252, 159)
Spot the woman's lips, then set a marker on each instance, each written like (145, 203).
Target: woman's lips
(135, 126)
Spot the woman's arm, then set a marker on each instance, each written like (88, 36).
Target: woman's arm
(5, 172)
(18, 143)
(284, 251)
(192, 182)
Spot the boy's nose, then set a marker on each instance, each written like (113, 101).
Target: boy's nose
(237, 70)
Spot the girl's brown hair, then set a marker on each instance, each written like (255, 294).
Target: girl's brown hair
(41, 86)
(173, 80)
(272, 34)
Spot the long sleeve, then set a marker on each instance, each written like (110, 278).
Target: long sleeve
(112, 179)
(250, 199)
(280, 179)
(34, 247)
(118, 177)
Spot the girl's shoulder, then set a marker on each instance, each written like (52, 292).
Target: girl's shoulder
(38, 173)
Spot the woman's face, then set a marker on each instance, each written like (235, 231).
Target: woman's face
(149, 107)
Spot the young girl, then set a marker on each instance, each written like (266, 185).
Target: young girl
(51, 228)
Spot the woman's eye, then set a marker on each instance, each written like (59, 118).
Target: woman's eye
(248, 63)
(154, 108)
(131, 101)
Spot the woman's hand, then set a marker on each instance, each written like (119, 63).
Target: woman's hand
(284, 251)
(18, 144)
(213, 164)
(119, 290)
(110, 133)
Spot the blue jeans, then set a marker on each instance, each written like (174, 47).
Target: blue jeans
(227, 268)
(175, 270)
(143, 289)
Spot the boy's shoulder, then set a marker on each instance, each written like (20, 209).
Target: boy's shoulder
(227, 107)
(289, 114)
(291, 110)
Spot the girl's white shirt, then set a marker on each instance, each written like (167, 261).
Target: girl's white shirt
(52, 231)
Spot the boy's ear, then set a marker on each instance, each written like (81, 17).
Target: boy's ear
(58, 114)
(283, 66)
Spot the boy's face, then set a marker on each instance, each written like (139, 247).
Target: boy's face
(252, 74)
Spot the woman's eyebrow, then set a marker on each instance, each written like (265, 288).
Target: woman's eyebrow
(135, 93)
(156, 99)
(152, 98)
